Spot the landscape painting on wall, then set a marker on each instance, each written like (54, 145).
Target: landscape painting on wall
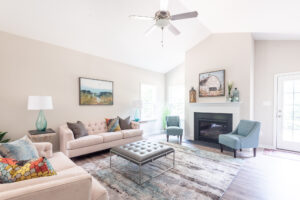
(212, 84)
(95, 92)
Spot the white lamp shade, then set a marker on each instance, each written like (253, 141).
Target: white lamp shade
(40, 103)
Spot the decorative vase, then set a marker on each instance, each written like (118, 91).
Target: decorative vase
(41, 122)
(236, 95)
(192, 95)
(137, 115)
(229, 98)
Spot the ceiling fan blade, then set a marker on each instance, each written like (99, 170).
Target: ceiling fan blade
(149, 31)
(184, 15)
(173, 29)
(141, 17)
(164, 5)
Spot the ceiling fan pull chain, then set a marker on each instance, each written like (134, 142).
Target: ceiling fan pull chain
(162, 36)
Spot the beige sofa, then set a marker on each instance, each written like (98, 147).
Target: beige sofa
(98, 138)
(70, 183)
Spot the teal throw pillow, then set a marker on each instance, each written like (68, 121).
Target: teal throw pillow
(22, 149)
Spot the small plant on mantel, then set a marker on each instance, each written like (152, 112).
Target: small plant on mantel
(2, 140)
(230, 85)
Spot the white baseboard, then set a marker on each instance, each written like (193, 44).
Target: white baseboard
(266, 146)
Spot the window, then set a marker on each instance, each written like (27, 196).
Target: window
(176, 101)
(148, 98)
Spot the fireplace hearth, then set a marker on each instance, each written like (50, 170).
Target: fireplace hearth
(208, 126)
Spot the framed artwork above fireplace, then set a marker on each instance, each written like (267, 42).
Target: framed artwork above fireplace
(212, 84)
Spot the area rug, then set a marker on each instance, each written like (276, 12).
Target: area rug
(198, 174)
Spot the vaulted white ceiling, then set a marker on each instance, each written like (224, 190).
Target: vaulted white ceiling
(102, 28)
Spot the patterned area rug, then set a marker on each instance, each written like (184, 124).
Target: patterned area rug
(198, 174)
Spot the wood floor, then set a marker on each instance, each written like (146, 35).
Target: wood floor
(269, 176)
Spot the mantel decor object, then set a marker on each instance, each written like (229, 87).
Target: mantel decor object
(192, 95)
(212, 84)
(236, 95)
(40, 103)
(229, 86)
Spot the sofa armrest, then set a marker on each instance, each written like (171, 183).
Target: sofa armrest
(44, 149)
(135, 125)
(65, 135)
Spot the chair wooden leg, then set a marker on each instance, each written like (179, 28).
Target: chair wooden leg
(167, 138)
(234, 153)
(221, 148)
(254, 152)
(181, 139)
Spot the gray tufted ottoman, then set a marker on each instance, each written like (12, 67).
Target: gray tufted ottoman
(142, 152)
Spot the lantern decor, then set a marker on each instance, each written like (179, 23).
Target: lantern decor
(192, 95)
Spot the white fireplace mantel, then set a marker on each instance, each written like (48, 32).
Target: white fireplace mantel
(216, 103)
(211, 107)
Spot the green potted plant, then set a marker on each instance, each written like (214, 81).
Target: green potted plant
(166, 112)
(2, 140)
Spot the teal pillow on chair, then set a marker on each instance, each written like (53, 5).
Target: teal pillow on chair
(22, 149)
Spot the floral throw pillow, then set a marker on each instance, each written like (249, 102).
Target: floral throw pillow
(12, 170)
(113, 125)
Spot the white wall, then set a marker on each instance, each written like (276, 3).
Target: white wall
(271, 58)
(174, 77)
(29, 67)
(232, 52)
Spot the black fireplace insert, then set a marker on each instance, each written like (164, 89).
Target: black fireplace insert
(208, 126)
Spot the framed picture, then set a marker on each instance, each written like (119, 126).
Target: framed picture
(212, 84)
(95, 92)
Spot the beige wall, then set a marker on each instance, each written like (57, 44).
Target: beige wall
(271, 58)
(232, 52)
(29, 67)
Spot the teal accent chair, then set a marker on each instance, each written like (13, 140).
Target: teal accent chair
(173, 127)
(246, 135)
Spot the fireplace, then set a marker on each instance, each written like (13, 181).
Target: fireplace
(208, 126)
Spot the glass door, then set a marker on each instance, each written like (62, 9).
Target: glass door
(288, 112)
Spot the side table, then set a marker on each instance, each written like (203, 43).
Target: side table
(42, 136)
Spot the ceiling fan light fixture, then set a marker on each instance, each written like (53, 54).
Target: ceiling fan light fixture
(163, 19)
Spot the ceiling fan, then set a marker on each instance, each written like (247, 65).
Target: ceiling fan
(163, 18)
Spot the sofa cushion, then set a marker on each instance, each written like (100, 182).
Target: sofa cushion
(96, 127)
(85, 141)
(61, 162)
(22, 149)
(78, 129)
(111, 136)
(131, 133)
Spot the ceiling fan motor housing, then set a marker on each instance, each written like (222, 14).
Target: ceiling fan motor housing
(162, 18)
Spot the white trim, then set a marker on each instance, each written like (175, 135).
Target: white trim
(275, 129)
(216, 103)
(275, 110)
(267, 146)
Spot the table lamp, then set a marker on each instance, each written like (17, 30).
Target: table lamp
(40, 103)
